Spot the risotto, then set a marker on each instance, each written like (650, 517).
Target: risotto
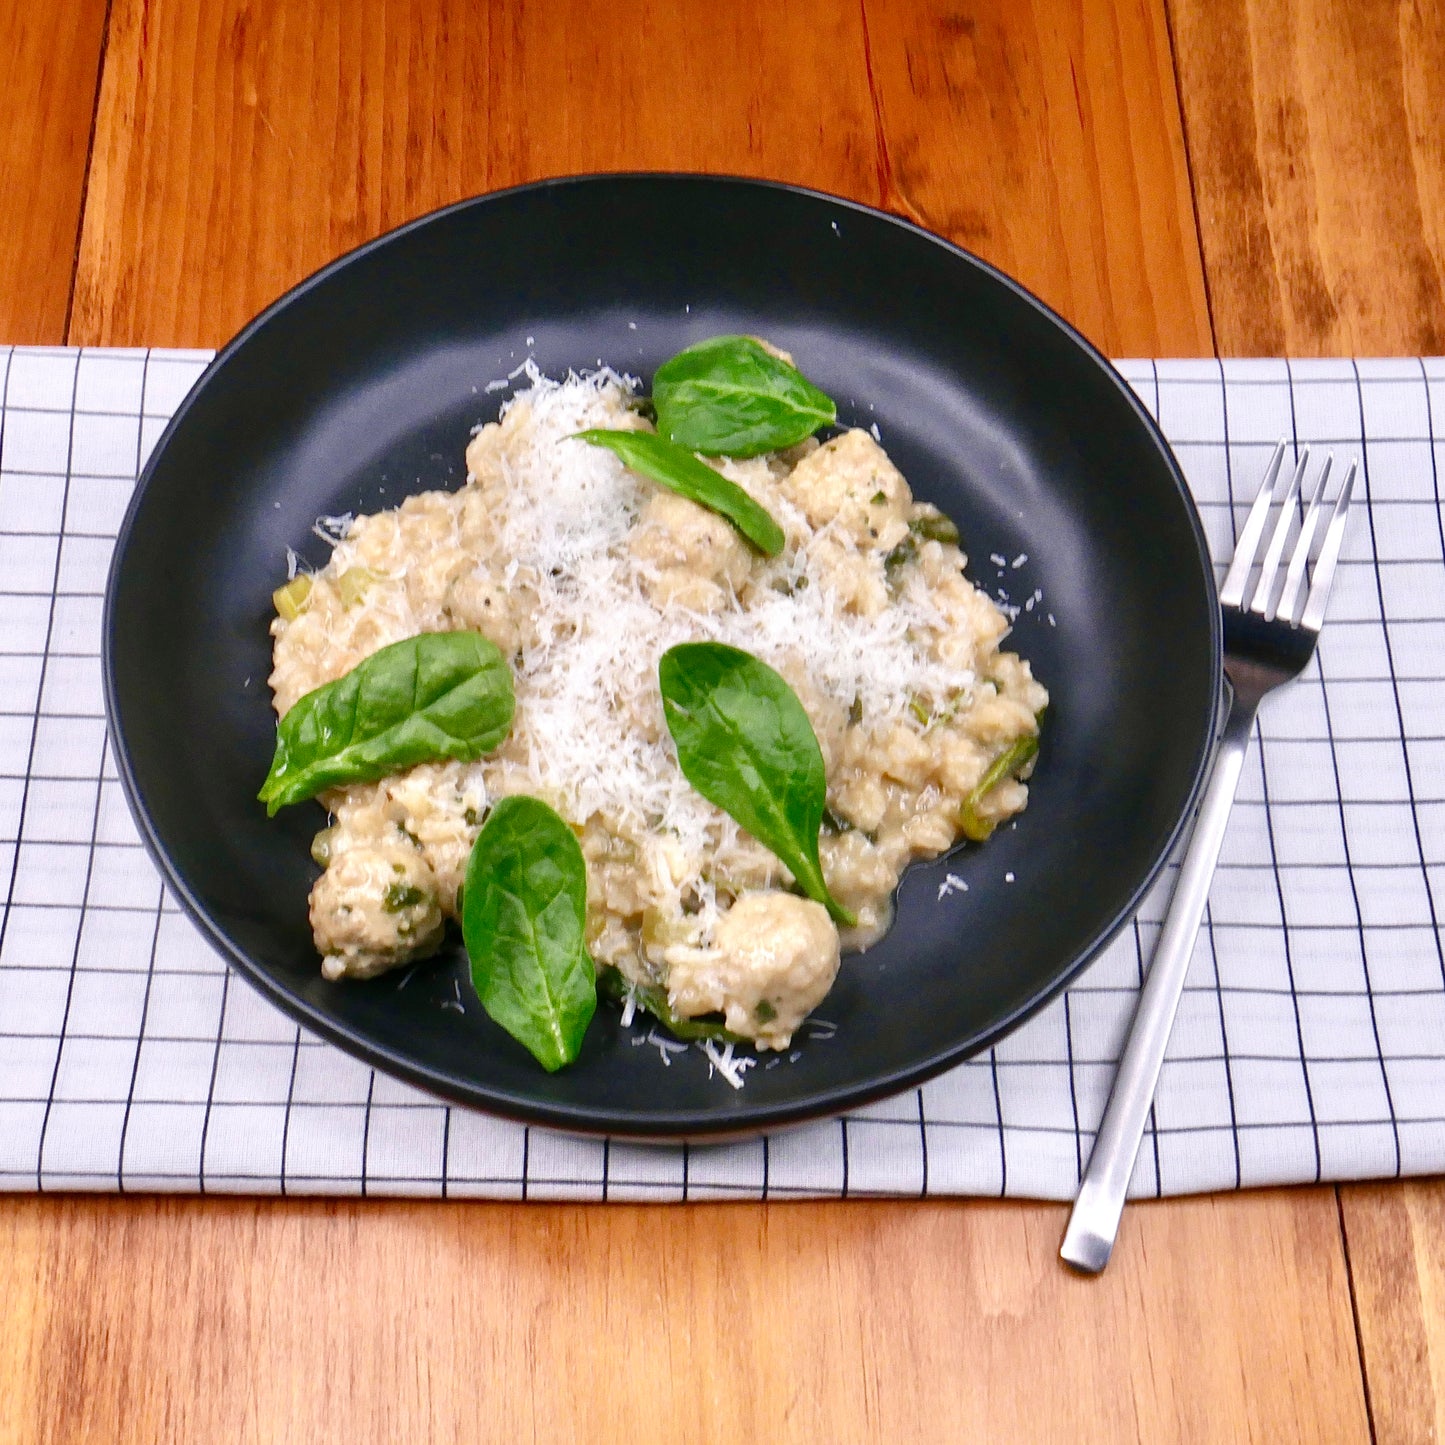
(584, 573)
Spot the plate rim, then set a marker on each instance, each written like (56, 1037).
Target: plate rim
(661, 1125)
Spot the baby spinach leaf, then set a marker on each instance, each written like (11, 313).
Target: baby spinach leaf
(439, 695)
(524, 915)
(730, 396)
(745, 743)
(681, 472)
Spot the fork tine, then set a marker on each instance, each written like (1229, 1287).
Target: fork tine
(1318, 600)
(1301, 555)
(1231, 594)
(1272, 554)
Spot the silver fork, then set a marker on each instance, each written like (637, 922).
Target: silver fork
(1266, 643)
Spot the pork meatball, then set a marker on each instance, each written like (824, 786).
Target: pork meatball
(775, 957)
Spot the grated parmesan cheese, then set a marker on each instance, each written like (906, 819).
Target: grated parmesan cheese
(590, 669)
(726, 1063)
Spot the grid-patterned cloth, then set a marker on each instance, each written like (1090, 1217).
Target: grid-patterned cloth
(1310, 1042)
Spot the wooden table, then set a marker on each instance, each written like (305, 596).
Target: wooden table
(1179, 178)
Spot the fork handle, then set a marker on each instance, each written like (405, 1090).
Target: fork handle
(1094, 1223)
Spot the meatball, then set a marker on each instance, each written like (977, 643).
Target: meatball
(439, 805)
(375, 907)
(698, 558)
(774, 959)
(850, 482)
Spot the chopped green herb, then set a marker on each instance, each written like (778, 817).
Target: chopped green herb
(401, 895)
(900, 556)
(933, 526)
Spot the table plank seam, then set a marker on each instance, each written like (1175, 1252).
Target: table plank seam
(85, 174)
(1355, 1316)
(1168, 7)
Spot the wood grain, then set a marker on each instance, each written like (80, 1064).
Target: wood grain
(317, 125)
(260, 1320)
(1396, 1236)
(1319, 166)
(1047, 138)
(49, 68)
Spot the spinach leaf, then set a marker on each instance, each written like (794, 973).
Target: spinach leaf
(678, 470)
(439, 695)
(653, 1000)
(729, 396)
(524, 915)
(745, 743)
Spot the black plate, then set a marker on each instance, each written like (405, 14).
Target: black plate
(361, 385)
